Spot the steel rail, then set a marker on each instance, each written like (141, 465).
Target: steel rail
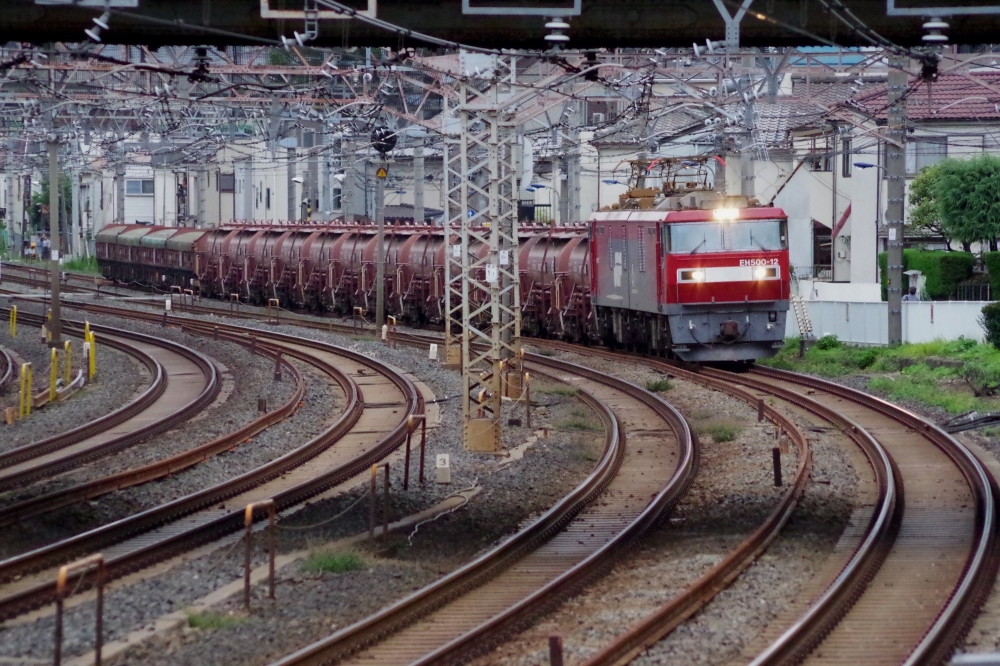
(671, 614)
(88, 490)
(495, 562)
(28, 452)
(228, 521)
(982, 564)
(8, 367)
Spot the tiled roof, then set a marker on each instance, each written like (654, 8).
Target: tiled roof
(952, 97)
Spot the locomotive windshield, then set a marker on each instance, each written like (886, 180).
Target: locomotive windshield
(698, 237)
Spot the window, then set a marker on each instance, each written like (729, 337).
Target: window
(923, 152)
(227, 182)
(338, 199)
(267, 200)
(135, 187)
(846, 162)
(820, 158)
(699, 237)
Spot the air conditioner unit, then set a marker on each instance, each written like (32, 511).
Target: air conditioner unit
(596, 118)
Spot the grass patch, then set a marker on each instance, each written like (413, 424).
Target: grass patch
(578, 420)
(210, 620)
(567, 391)
(577, 424)
(920, 383)
(659, 385)
(332, 562)
(547, 352)
(905, 372)
(721, 432)
(82, 265)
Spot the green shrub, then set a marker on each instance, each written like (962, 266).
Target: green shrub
(333, 562)
(659, 385)
(992, 261)
(827, 342)
(990, 321)
(868, 357)
(943, 270)
(984, 380)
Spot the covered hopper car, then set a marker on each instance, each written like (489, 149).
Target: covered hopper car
(702, 285)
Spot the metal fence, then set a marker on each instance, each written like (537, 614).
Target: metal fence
(972, 291)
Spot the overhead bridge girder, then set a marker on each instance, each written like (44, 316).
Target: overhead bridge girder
(601, 23)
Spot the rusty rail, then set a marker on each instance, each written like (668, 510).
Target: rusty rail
(6, 368)
(183, 540)
(49, 502)
(499, 559)
(981, 566)
(24, 453)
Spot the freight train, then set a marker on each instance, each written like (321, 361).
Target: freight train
(705, 279)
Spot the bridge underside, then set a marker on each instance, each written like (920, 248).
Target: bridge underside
(602, 24)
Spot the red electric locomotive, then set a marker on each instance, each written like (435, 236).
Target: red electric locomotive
(706, 281)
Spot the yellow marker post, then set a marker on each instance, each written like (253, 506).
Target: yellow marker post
(67, 362)
(53, 374)
(86, 330)
(13, 322)
(24, 408)
(91, 356)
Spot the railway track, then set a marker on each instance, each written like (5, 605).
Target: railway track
(6, 368)
(950, 534)
(184, 382)
(631, 488)
(938, 545)
(62, 497)
(374, 423)
(935, 573)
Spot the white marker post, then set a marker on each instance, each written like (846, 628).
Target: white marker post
(443, 468)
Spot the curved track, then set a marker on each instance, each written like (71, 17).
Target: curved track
(944, 543)
(938, 570)
(6, 368)
(184, 382)
(97, 487)
(479, 604)
(372, 426)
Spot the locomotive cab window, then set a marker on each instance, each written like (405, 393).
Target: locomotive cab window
(737, 236)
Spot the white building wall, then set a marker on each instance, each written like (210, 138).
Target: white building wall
(868, 323)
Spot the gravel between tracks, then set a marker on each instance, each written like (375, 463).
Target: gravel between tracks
(732, 494)
(307, 603)
(120, 380)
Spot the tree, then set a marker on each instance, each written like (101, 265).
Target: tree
(924, 213)
(42, 199)
(967, 201)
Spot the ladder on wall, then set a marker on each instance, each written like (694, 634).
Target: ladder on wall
(802, 317)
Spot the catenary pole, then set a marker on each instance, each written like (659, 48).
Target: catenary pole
(896, 174)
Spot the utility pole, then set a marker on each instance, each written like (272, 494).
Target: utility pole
(896, 173)
(381, 174)
(55, 325)
(490, 300)
(120, 190)
(418, 180)
(76, 235)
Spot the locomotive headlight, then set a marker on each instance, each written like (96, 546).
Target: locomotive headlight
(698, 276)
(726, 214)
(765, 272)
